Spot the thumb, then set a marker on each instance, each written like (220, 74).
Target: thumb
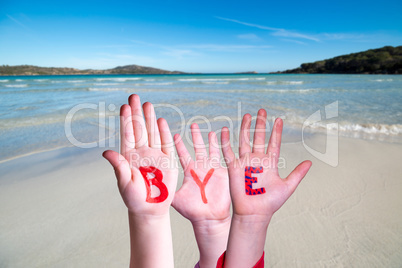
(298, 174)
(120, 165)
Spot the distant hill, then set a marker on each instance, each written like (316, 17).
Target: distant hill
(386, 60)
(35, 70)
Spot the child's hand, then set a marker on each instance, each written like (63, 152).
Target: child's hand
(146, 175)
(204, 194)
(145, 145)
(204, 197)
(256, 189)
(266, 195)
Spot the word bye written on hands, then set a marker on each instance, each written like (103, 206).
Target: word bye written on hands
(249, 180)
(155, 181)
(158, 177)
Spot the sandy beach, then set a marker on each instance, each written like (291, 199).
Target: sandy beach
(62, 209)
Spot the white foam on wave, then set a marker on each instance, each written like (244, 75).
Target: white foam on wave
(285, 82)
(284, 91)
(73, 81)
(293, 82)
(306, 90)
(371, 129)
(188, 80)
(4, 81)
(119, 79)
(106, 84)
(156, 84)
(41, 80)
(395, 129)
(106, 89)
(212, 79)
(26, 108)
(215, 83)
(382, 80)
(21, 85)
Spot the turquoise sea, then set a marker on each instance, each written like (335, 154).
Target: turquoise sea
(46, 112)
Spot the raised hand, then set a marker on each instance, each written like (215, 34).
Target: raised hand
(204, 197)
(256, 189)
(146, 146)
(204, 194)
(146, 175)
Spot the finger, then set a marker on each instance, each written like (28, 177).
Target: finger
(184, 156)
(120, 165)
(165, 137)
(154, 139)
(213, 146)
(274, 145)
(198, 143)
(227, 151)
(140, 131)
(126, 130)
(244, 138)
(297, 175)
(259, 134)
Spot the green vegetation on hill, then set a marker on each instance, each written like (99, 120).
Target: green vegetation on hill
(386, 60)
(35, 70)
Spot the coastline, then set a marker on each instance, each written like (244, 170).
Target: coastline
(63, 208)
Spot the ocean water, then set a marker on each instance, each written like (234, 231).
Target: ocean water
(46, 112)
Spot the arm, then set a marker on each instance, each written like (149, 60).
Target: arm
(256, 189)
(146, 162)
(204, 197)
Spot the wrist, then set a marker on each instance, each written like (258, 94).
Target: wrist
(150, 236)
(211, 227)
(247, 234)
(148, 219)
(212, 237)
(252, 223)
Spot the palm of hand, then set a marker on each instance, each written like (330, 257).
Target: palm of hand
(193, 202)
(277, 190)
(144, 144)
(189, 202)
(134, 191)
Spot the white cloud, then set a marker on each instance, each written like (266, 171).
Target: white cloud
(294, 41)
(290, 36)
(276, 31)
(17, 21)
(342, 36)
(250, 37)
(227, 47)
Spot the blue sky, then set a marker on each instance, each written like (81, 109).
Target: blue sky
(193, 36)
